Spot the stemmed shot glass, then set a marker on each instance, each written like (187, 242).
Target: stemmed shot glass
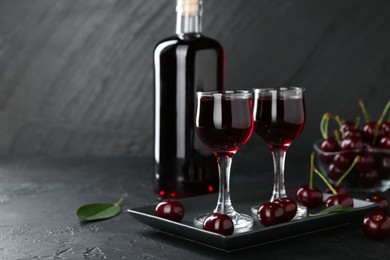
(224, 122)
(279, 117)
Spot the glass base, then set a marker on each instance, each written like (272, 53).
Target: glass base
(255, 209)
(301, 211)
(242, 222)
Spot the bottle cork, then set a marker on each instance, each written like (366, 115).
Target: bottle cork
(188, 7)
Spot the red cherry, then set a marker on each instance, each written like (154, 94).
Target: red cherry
(376, 225)
(270, 213)
(289, 206)
(365, 163)
(334, 172)
(385, 126)
(384, 167)
(383, 203)
(348, 126)
(369, 179)
(311, 198)
(170, 209)
(353, 133)
(369, 130)
(339, 199)
(351, 143)
(384, 142)
(328, 145)
(219, 223)
(342, 161)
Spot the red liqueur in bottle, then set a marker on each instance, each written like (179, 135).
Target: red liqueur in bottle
(184, 64)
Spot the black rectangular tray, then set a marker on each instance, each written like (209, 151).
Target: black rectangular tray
(242, 202)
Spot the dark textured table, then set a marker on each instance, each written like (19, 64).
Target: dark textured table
(39, 197)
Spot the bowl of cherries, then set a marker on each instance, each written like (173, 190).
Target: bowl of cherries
(369, 140)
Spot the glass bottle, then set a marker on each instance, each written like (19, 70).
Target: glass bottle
(184, 64)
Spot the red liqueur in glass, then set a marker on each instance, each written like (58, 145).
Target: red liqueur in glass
(279, 121)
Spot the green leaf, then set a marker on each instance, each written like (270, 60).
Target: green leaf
(333, 209)
(98, 211)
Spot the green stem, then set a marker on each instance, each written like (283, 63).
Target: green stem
(355, 161)
(337, 136)
(364, 111)
(384, 112)
(326, 129)
(340, 123)
(119, 201)
(323, 125)
(338, 120)
(357, 122)
(378, 124)
(325, 180)
(311, 170)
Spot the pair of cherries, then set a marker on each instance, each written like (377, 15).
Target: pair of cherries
(278, 211)
(312, 197)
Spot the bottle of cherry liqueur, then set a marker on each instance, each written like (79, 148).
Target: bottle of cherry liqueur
(184, 64)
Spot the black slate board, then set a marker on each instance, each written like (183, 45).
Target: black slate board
(257, 236)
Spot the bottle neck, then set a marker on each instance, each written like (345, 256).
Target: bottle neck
(189, 18)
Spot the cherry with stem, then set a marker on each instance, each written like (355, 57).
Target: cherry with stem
(309, 195)
(340, 189)
(328, 144)
(335, 199)
(379, 123)
(355, 161)
(371, 130)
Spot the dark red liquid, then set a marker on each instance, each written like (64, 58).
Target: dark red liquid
(224, 128)
(183, 166)
(279, 121)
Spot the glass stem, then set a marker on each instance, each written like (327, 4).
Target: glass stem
(224, 204)
(279, 155)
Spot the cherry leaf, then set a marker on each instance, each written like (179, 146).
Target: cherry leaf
(98, 211)
(333, 209)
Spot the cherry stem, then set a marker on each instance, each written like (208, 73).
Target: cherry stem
(384, 112)
(340, 123)
(355, 161)
(364, 111)
(119, 201)
(337, 136)
(338, 120)
(357, 122)
(325, 180)
(324, 125)
(378, 124)
(311, 171)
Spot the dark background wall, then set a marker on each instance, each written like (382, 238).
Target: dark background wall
(76, 76)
